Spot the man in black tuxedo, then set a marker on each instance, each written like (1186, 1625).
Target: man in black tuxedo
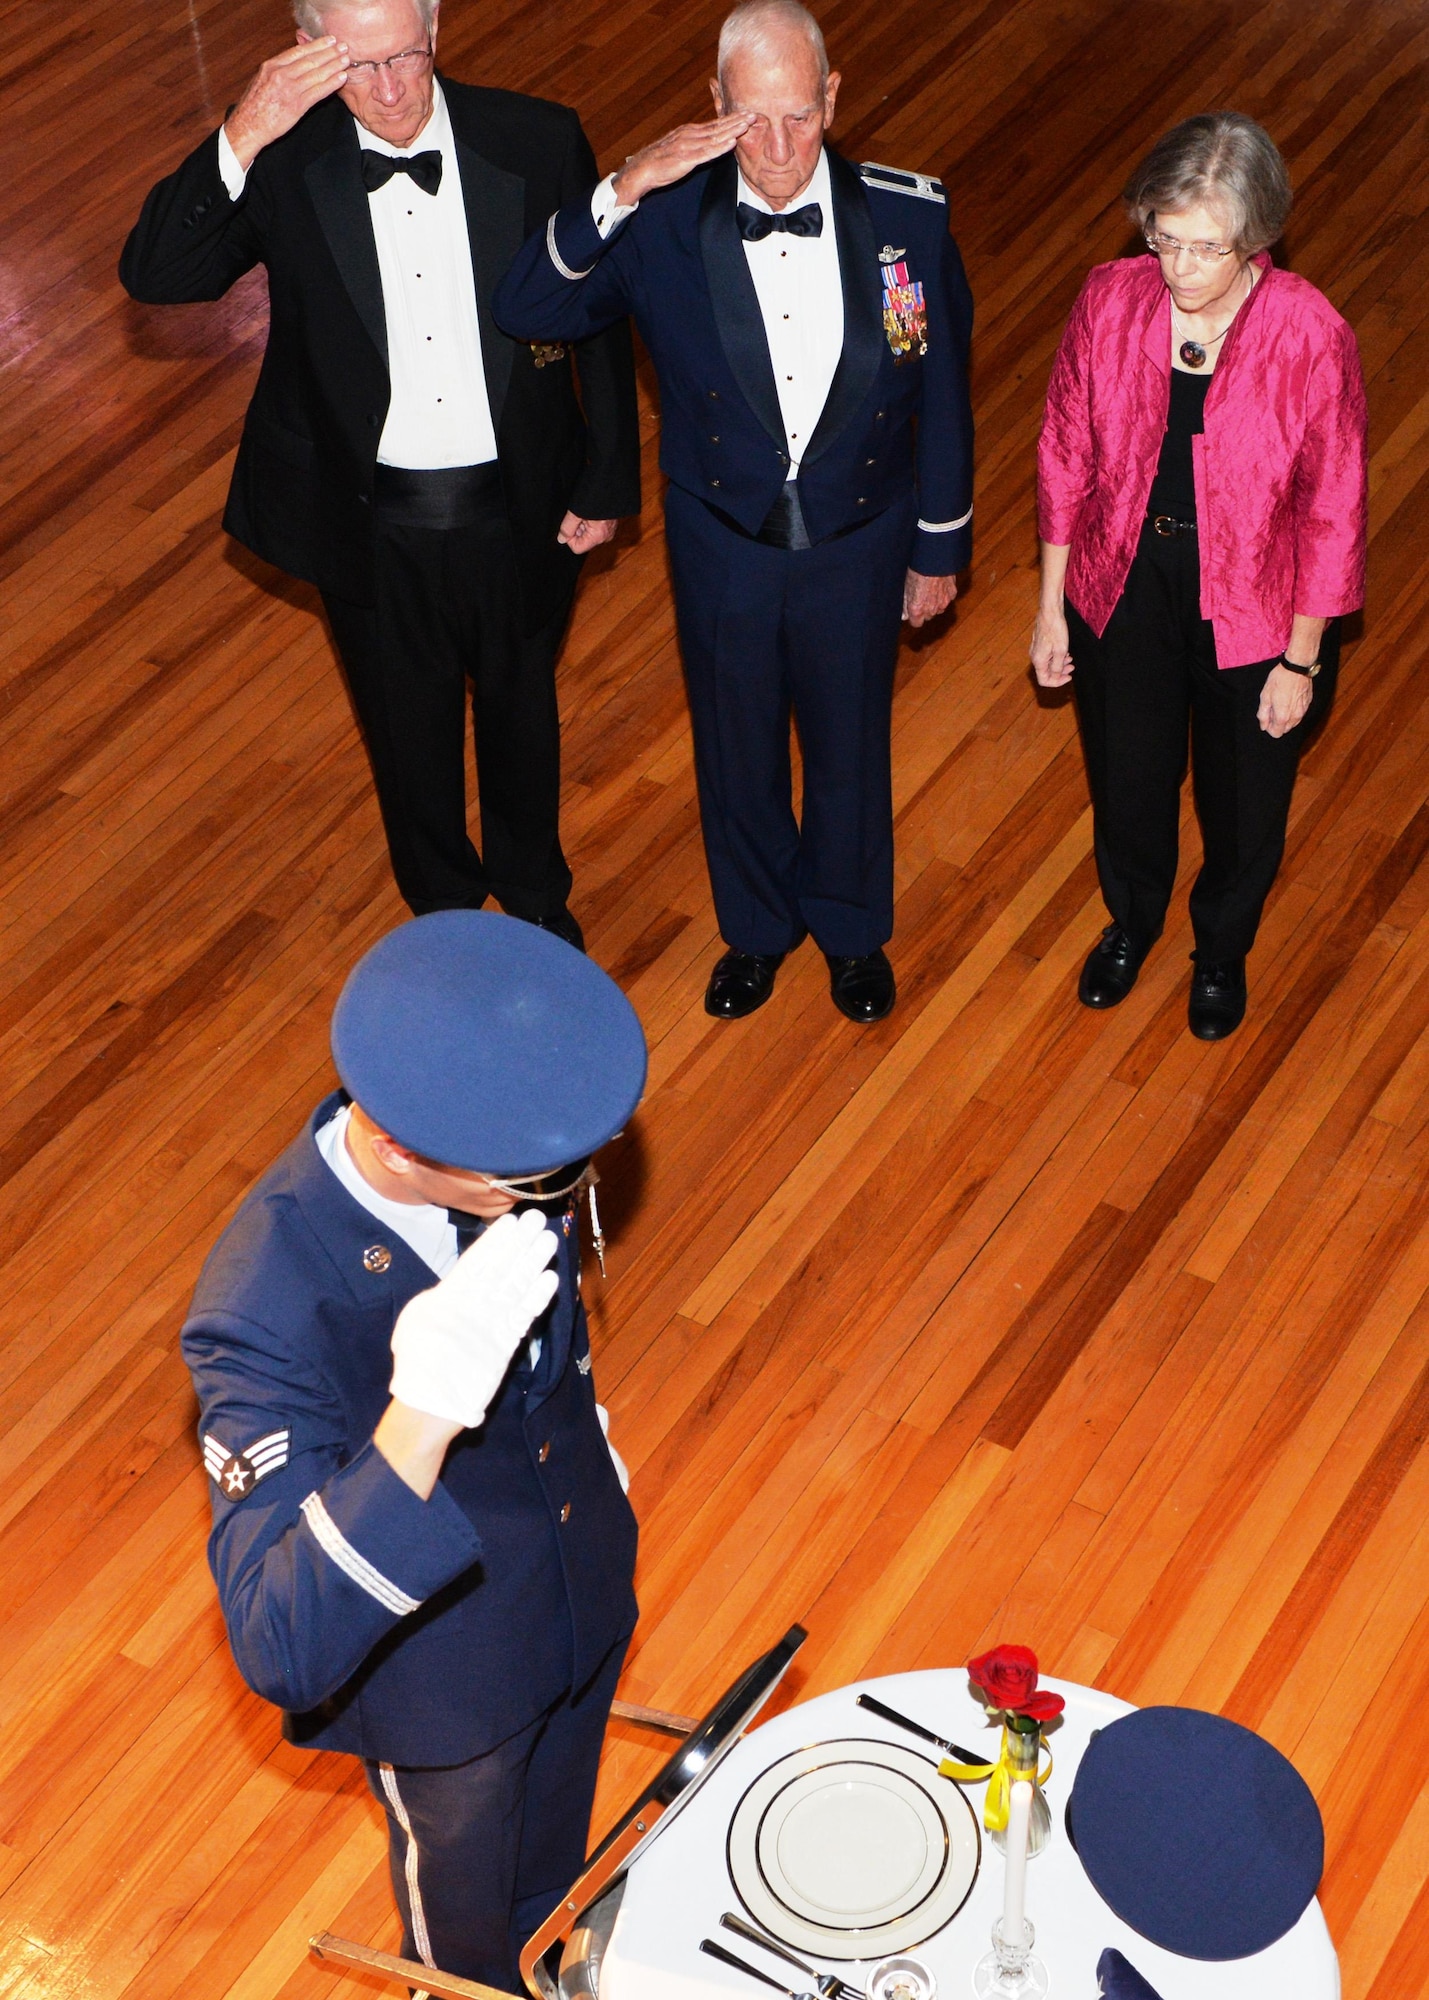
(435, 479)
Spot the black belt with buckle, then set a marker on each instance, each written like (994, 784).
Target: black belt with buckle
(1168, 525)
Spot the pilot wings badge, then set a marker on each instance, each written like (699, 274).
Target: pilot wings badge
(905, 312)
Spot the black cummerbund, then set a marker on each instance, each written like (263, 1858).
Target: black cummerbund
(783, 526)
(784, 523)
(450, 496)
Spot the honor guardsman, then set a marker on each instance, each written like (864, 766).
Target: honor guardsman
(420, 1536)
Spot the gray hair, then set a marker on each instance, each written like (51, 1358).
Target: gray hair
(1221, 160)
(758, 28)
(309, 13)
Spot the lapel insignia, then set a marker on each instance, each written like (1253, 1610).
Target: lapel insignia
(377, 1258)
(236, 1473)
(544, 352)
(905, 313)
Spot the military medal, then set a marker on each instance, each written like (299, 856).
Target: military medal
(905, 312)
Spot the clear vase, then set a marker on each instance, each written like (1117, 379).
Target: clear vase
(1023, 1749)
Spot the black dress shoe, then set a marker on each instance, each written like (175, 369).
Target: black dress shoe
(1217, 999)
(741, 982)
(1111, 968)
(862, 988)
(561, 924)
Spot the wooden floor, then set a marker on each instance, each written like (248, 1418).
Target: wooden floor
(1001, 1320)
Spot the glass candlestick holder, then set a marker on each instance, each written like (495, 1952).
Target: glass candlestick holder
(1010, 1971)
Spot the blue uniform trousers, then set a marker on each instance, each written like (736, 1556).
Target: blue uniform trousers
(482, 1852)
(765, 631)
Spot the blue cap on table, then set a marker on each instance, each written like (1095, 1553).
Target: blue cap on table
(1197, 1832)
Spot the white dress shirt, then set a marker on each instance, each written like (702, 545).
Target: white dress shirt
(800, 293)
(440, 413)
(801, 297)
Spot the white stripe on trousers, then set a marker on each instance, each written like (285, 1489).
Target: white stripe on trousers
(414, 1890)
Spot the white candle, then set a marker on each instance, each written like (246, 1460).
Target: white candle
(1014, 1894)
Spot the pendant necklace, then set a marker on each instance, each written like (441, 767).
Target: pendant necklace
(1193, 352)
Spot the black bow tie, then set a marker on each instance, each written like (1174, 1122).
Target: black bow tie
(755, 225)
(378, 169)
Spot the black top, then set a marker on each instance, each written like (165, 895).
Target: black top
(1173, 490)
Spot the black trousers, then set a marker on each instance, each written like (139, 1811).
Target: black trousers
(1141, 687)
(480, 1853)
(766, 632)
(448, 611)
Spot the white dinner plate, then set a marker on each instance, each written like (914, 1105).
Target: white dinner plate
(853, 1849)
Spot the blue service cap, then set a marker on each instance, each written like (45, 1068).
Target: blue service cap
(483, 1042)
(1197, 1832)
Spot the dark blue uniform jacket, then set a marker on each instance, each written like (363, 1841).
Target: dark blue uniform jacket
(678, 265)
(416, 1632)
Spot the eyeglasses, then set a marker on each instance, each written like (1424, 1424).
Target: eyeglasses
(1204, 253)
(410, 62)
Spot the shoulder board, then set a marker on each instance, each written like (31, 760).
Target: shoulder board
(898, 180)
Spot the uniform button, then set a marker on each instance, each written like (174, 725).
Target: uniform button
(713, 439)
(374, 421)
(714, 395)
(565, 1513)
(880, 416)
(377, 1257)
(714, 482)
(869, 461)
(860, 502)
(544, 1453)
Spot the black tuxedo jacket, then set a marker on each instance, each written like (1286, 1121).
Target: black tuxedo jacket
(301, 495)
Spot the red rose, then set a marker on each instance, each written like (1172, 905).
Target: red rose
(1007, 1675)
(1042, 1705)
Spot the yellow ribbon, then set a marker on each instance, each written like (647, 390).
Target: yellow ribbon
(1001, 1776)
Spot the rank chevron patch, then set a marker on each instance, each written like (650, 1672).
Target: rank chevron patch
(237, 1473)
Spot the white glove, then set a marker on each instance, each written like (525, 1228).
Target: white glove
(453, 1344)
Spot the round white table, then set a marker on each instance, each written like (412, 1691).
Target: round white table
(677, 1890)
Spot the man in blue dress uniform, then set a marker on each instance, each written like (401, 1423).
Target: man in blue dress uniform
(809, 323)
(420, 1537)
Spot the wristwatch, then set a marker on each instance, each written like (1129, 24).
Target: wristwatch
(1294, 667)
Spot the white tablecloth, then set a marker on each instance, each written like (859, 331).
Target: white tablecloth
(677, 1890)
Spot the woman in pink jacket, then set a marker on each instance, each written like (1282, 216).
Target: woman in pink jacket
(1202, 513)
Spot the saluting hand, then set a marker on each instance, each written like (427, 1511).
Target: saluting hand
(669, 159)
(287, 86)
